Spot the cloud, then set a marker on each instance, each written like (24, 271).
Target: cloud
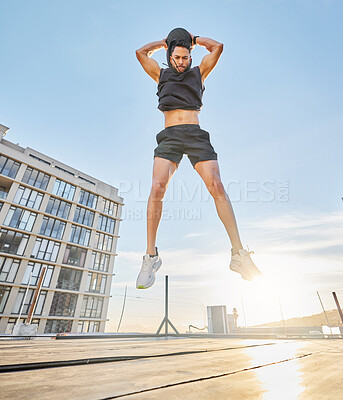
(300, 220)
(306, 234)
(120, 284)
(192, 270)
(130, 255)
(328, 279)
(298, 252)
(189, 235)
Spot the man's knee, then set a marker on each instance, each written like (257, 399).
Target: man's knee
(158, 190)
(216, 188)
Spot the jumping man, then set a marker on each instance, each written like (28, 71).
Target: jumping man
(180, 90)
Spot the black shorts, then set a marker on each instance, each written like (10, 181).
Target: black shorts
(175, 141)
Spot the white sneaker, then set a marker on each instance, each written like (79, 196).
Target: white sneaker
(150, 266)
(243, 264)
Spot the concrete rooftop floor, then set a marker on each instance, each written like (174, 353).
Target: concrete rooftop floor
(171, 368)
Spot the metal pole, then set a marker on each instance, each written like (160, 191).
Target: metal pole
(166, 320)
(35, 296)
(122, 311)
(166, 307)
(327, 319)
(25, 295)
(245, 322)
(338, 306)
(283, 320)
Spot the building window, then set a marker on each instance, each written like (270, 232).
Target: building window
(63, 189)
(96, 283)
(8, 167)
(13, 242)
(69, 279)
(28, 300)
(79, 235)
(106, 224)
(84, 216)
(88, 326)
(20, 218)
(28, 198)
(52, 227)
(75, 256)
(39, 159)
(88, 199)
(58, 326)
(64, 170)
(92, 306)
(45, 249)
(4, 293)
(33, 177)
(63, 304)
(87, 180)
(1, 204)
(58, 207)
(8, 269)
(13, 321)
(110, 207)
(3, 193)
(100, 261)
(36, 269)
(103, 242)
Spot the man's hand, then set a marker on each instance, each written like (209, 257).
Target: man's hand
(192, 45)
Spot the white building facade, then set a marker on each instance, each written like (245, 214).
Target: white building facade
(56, 217)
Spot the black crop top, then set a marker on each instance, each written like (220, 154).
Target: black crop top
(180, 91)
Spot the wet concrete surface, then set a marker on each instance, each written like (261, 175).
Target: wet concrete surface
(172, 368)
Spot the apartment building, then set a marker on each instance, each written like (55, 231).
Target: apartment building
(54, 216)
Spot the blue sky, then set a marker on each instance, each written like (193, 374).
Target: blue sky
(72, 88)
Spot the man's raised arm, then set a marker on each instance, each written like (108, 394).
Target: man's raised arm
(151, 66)
(210, 60)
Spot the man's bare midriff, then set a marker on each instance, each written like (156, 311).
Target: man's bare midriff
(179, 117)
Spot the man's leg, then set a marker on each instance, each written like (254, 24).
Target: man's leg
(240, 258)
(163, 170)
(209, 172)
